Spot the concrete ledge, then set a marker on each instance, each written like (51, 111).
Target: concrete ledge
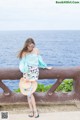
(48, 107)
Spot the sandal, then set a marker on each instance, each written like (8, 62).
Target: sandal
(36, 114)
(31, 114)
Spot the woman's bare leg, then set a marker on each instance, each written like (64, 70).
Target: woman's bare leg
(30, 106)
(33, 102)
(30, 103)
(36, 114)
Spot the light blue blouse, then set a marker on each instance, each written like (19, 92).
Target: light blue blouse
(31, 60)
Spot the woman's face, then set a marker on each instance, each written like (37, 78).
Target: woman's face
(30, 47)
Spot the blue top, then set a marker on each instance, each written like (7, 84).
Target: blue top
(31, 60)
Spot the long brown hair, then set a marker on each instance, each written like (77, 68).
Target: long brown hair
(25, 48)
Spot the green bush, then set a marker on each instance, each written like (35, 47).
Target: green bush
(43, 88)
(65, 86)
(17, 90)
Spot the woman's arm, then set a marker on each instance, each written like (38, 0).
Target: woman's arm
(42, 64)
(38, 52)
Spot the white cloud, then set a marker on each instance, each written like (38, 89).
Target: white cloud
(38, 14)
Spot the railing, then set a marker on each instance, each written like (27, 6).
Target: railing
(59, 73)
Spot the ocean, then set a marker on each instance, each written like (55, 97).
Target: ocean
(57, 47)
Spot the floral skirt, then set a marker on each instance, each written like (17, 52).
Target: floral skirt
(32, 74)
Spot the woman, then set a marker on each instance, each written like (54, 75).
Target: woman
(30, 62)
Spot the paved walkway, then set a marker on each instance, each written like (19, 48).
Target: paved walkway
(73, 115)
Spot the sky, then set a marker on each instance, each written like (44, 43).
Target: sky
(38, 15)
